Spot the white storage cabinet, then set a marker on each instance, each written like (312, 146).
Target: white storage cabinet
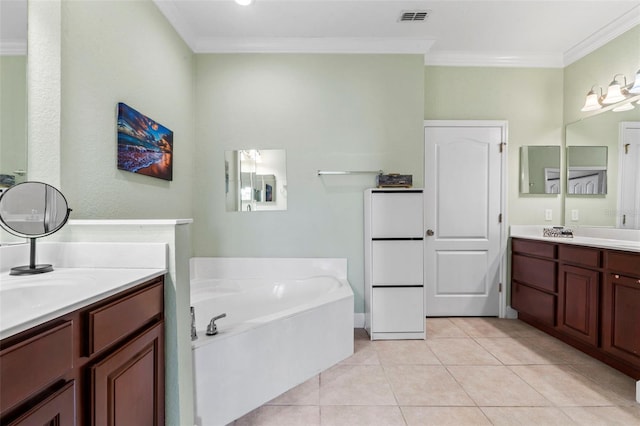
(394, 264)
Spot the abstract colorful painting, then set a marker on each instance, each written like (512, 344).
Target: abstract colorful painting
(144, 146)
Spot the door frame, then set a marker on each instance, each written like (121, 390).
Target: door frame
(504, 311)
(621, 130)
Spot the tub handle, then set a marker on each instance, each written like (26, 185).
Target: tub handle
(212, 328)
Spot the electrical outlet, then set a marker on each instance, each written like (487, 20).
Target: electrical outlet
(575, 215)
(548, 214)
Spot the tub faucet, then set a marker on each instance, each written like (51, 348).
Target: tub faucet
(194, 335)
(212, 328)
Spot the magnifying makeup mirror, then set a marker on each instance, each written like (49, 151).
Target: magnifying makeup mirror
(33, 210)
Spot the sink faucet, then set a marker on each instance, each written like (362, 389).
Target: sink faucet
(194, 335)
(212, 328)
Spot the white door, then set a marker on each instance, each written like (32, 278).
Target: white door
(629, 174)
(463, 199)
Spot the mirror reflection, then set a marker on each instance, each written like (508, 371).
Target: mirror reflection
(540, 170)
(611, 141)
(255, 180)
(587, 170)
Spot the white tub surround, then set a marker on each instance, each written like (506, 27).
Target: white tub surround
(611, 238)
(83, 273)
(287, 320)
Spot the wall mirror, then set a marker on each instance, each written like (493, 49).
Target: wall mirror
(609, 141)
(586, 170)
(255, 180)
(13, 102)
(540, 170)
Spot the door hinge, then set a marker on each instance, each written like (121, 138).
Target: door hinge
(502, 145)
(626, 148)
(624, 219)
(500, 218)
(499, 287)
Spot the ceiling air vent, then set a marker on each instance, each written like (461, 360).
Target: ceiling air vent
(413, 15)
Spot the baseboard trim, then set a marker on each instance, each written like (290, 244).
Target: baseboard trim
(358, 320)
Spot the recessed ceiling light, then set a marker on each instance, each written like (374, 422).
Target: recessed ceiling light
(244, 2)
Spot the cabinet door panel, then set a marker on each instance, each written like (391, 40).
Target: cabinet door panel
(396, 214)
(397, 262)
(534, 248)
(128, 386)
(621, 318)
(578, 303)
(398, 310)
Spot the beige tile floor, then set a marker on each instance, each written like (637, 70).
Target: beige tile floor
(469, 371)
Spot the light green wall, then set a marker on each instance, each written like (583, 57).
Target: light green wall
(123, 52)
(621, 55)
(13, 114)
(330, 112)
(529, 99)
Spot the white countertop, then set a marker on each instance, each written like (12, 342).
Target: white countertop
(615, 239)
(26, 301)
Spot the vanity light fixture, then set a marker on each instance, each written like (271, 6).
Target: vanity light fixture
(244, 2)
(593, 101)
(635, 89)
(616, 91)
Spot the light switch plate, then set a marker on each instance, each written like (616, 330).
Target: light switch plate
(575, 215)
(548, 214)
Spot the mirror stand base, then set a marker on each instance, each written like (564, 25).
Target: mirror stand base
(31, 270)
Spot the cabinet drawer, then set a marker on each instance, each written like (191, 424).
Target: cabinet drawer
(536, 272)
(535, 303)
(534, 248)
(111, 322)
(396, 214)
(626, 263)
(397, 262)
(580, 255)
(398, 310)
(29, 366)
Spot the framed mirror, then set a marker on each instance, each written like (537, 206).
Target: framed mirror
(609, 140)
(586, 170)
(255, 180)
(540, 170)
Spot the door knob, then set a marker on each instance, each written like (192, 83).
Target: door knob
(429, 232)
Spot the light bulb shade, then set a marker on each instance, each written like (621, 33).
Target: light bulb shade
(592, 103)
(614, 93)
(624, 107)
(636, 85)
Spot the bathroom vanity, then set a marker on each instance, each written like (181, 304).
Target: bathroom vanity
(84, 343)
(96, 365)
(584, 291)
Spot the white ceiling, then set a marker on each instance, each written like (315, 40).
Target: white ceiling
(550, 33)
(507, 32)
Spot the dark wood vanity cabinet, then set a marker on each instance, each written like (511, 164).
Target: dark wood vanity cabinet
(585, 296)
(534, 289)
(102, 364)
(621, 307)
(579, 292)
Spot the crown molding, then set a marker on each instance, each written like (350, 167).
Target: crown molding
(8, 48)
(493, 59)
(170, 11)
(603, 36)
(314, 45)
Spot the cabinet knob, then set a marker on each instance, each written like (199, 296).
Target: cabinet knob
(616, 276)
(429, 232)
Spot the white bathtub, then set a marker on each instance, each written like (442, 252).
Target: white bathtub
(287, 320)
